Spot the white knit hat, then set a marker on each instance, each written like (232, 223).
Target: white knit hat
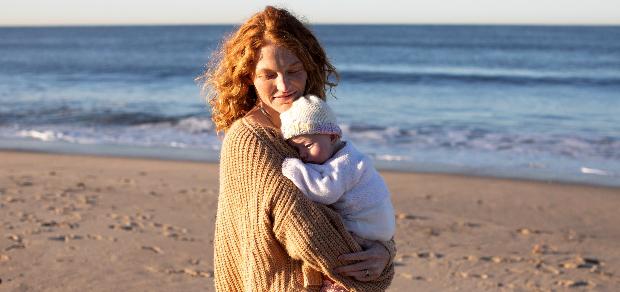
(308, 115)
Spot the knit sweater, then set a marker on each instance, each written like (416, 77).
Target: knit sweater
(268, 235)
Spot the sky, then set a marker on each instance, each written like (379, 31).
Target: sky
(115, 12)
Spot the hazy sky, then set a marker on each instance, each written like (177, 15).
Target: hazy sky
(71, 12)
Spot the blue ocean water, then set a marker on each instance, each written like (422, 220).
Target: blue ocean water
(539, 102)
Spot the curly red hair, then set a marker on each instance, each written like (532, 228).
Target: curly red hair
(228, 84)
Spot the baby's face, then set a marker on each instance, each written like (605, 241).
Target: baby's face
(315, 148)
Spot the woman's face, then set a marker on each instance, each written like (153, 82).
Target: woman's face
(279, 78)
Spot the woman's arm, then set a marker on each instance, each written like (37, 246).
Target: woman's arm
(315, 234)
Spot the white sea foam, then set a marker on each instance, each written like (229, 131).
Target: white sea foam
(47, 135)
(387, 157)
(595, 171)
(39, 135)
(178, 145)
(196, 125)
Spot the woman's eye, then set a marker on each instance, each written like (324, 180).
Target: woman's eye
(267, 76)
(309, 145)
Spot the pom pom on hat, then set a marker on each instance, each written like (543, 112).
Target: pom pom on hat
(308, 115)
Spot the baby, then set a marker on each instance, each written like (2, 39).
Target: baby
(333, 172)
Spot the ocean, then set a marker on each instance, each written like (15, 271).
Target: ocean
(532, 102)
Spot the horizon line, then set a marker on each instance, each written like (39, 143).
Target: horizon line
(311, 24)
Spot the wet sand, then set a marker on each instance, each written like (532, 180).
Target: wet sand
(80, 223)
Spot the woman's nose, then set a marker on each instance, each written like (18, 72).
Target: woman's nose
(282, 83)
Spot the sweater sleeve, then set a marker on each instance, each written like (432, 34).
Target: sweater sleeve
(320, 183)
(315, 234)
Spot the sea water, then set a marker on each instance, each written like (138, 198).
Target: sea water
(538, 102)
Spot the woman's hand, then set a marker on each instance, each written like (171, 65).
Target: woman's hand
(370, 262)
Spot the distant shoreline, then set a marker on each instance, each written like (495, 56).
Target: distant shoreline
(313, 24)
(209, 157)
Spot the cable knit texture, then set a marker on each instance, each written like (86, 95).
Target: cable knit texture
(309, 115)
(268, 235)
(349, 181)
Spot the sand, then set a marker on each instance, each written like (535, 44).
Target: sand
(80, 223)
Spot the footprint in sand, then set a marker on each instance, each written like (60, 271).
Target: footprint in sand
(432, 231)
(154, 249)
(23, 181)
(582, 263)
(100, 237)
(460, 225)
(401, 259)
(412, 277)
(191, 272)
(126, 223)
(468, 224)
(18, 242)
(544, 249)
(194, 261)
(90, 200)
(405, 216)
(15, 246)
(53, 224)
(176, 233)
(471, 275)
(142, 222)
(529, 231)
(15, 237)
(65, 238)
(128, 181)
(572, 235)
(546, 268)
(495, 259)
(573, 283)
(429, 255)
(10, 199)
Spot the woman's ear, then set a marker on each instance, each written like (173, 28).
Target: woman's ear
(333, 138)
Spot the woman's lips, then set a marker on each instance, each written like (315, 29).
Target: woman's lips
(286, 98)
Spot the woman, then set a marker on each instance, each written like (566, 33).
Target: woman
(268, 235)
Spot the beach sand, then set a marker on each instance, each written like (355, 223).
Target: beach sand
(80, 223)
